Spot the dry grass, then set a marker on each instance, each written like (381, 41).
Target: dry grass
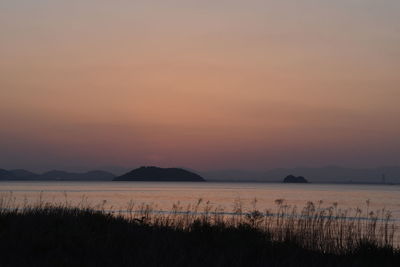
(314, 227)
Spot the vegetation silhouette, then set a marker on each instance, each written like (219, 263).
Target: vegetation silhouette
(47, 234)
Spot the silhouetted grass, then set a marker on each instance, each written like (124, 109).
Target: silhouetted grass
(44, 234)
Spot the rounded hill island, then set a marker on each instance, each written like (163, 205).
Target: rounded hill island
(295, 179)
(157, 174)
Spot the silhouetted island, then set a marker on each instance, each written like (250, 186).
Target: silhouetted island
(160, 174)
(294, 179)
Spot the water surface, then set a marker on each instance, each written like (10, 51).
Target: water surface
(162, 195)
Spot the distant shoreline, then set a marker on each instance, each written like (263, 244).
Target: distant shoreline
(389, 175)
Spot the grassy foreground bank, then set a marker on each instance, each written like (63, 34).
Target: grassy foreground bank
(48, 235)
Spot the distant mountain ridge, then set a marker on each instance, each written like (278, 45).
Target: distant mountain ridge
(24, 174)
(4, 174)
(328, 174)
(153, 173)
(21, 174)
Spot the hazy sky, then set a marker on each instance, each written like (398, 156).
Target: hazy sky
(202, 84)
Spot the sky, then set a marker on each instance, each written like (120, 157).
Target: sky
(199, 84)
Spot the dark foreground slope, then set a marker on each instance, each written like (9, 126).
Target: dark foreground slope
(160, 174)
(73, 237)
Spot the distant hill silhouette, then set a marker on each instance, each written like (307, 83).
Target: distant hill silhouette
(21, 174)
(24, 174)
(5, 175)
(295, 179)
(160, 174)
(329, 174)
(87, 176)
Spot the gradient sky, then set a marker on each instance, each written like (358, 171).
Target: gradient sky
(202, 84)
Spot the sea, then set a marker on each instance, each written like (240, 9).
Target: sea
(163, 196)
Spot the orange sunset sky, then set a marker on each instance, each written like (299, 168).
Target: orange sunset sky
(200, 84)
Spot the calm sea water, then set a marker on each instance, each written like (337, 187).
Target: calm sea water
(116, 195)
